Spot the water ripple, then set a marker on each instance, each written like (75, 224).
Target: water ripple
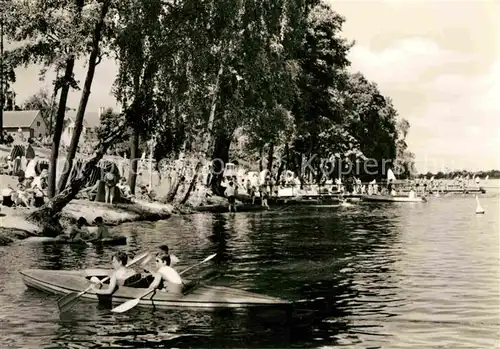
(371, 276)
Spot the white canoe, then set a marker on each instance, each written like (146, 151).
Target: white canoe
(203, 296)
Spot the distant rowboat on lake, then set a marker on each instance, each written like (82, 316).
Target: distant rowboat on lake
(385, 198)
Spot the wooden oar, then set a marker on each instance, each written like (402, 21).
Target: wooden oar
(133, 302)
(68, 301)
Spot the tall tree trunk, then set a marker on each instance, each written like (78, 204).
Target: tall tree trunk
(211, 117)
(141, 91)
(85, 96)
(281, 168)
(208, 133)
(61, 111)
(170, 197)
(287, 156)
(220, 157)
(134, 152)
(270, 158)
(197, 169)
(301, 170)
(261, 159)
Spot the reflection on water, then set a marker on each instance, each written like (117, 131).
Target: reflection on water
(388, 275)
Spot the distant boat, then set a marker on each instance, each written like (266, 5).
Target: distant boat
(385, 198)
(390, 176)
(479, 209)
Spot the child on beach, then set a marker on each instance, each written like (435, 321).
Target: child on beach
(125, 189)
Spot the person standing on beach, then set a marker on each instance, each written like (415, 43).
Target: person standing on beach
(110, 187)
(264, 194)
(230, 194)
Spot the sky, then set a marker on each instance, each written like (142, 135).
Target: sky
(439, 62)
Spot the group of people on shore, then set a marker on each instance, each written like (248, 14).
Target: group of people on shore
(112, 185)
(30, 192)
(232, 189)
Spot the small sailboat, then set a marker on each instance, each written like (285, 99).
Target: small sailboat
(390, 175)
(479, 209)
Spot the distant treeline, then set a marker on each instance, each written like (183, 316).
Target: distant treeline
(492, 174)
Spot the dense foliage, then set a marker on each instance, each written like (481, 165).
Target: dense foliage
(268, 77)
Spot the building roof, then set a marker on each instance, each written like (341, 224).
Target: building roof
(19, 118)
(91, 118)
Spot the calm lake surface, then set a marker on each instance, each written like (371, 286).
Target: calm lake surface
(400, 275)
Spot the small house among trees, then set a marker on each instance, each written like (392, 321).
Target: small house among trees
(29, 121)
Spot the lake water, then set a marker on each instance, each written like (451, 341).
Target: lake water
(407, 275)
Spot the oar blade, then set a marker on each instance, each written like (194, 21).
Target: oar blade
(139, 258)
(68, 301)
(146, 260)
(209, 258)
(126, 306)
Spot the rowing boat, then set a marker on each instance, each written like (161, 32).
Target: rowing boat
(385, 198)
(204, 296)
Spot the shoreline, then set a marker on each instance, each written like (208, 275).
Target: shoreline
(14, 226)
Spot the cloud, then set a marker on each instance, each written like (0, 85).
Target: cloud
(460, 122)
(404, 61)
(454, 116)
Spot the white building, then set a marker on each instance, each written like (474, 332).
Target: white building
(30, 122)
(91, 121)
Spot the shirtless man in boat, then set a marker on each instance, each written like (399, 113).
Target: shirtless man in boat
(120, 274)
(166, 278)
(148, 276)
